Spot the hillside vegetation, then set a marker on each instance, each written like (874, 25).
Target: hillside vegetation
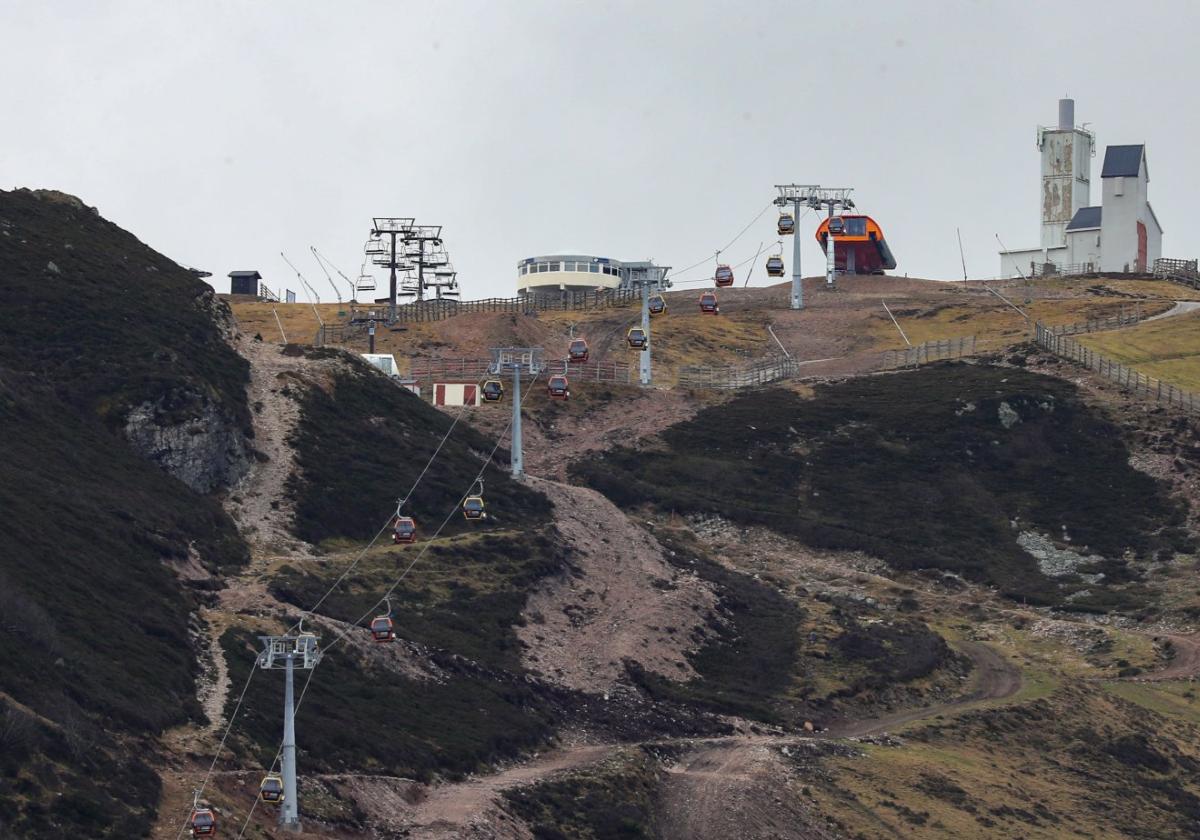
(940, 468)
(95, 542)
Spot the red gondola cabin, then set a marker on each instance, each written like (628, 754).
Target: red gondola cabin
(382, 628)
(724, 276)
(404, 531)
(708, 303)
(204, 823)
(578, 351)
(558, 388)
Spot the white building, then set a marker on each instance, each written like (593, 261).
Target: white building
(1122, 234)
(579, 272)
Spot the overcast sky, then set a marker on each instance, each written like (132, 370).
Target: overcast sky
(222, 133)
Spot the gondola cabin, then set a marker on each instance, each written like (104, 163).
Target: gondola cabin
(774, 266)
(858, 245)
(404, 531)
(383, 628)
(578, 351)
(723, 276)
(636, 338)
(657, 305)
(787, 225)
(492, 391)
(473, 508)
(271, 789)
(708, 303)
(558, 388)
(204, 823)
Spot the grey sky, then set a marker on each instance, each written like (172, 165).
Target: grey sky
(224, 132)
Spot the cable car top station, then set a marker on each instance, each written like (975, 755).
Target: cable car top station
(581, 272)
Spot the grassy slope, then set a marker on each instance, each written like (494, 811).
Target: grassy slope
(1076, 762)
(917, 469)
(1168, 349)
(93, 624)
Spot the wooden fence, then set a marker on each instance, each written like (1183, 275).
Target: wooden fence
(738, 376)
(937, 350)
(1125, 376)
(1179, 271)
(1125, 318)
(451, 370)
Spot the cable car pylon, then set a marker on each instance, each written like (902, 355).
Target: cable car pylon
(289, 652)
(516, 360)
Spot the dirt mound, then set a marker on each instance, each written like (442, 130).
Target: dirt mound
(623, 601)
(738, 789)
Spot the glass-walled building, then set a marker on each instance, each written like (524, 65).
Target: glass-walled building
(580, 272)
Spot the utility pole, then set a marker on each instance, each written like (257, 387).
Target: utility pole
(813, 196)
(289, 652)
(516, 360)
(644, 356)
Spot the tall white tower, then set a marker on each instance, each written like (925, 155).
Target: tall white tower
(1067, 154)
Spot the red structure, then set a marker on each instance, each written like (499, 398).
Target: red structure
(858, 244)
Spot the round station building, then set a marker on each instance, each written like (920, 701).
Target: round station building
(582, 272)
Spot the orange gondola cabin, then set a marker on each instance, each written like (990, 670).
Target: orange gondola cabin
(858, 245)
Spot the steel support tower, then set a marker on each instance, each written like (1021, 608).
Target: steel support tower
(387, 255)
(813, 196)
(289, 652)
(516, 360)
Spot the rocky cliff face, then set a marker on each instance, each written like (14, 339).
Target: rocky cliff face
(206, 451)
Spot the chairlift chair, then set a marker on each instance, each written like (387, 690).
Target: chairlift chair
(787, 224)
(723, 276)
(558, 388)
(578, 350)
(366, 283)
(657, 305)
(203, 822)
(493, 390)
(636, 338)
(708, 303)
(404, 531)
(774, 266)
(271, 789)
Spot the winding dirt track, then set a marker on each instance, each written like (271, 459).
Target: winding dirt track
(1184, 665)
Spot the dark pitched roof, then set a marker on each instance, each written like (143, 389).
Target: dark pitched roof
(1085, 217)
(253, 274)
(1122, 160)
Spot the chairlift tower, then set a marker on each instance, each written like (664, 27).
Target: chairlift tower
(385, 253)
(813, 196)
(289, 652)
(516, 360)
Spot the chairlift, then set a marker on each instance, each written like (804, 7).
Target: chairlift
(723, 276)
(578, 351)
(271, 789)
(708, 303)
(637, 338)
(404, 530)
(657, 305)
(366, 283)
(787, 224)
(558, 388)
(204, 823)
(493, 390)
(775, 266)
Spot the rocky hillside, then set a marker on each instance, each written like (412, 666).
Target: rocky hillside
(112, 424)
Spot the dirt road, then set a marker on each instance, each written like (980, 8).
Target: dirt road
(1184, 665)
